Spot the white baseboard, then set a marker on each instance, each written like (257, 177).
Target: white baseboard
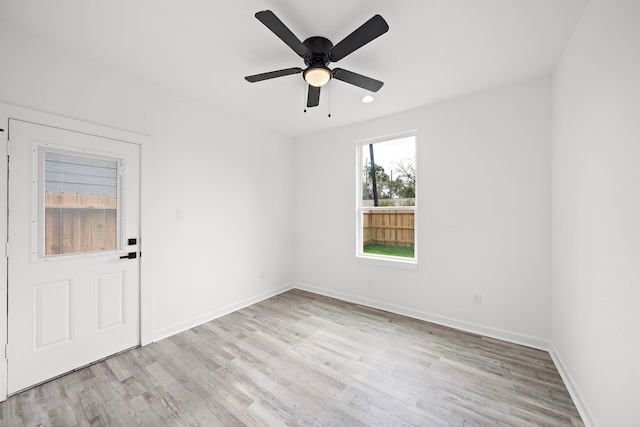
(587, 419)
(191, 323)
(509, 336)
(513, 337)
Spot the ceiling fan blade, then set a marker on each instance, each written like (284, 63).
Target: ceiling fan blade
(357, 79)
(273, 74)
(370, 30)
(271, 21)
(313, 98)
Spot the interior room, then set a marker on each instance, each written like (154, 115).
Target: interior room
(527, 203)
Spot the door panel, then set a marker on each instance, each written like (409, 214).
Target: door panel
(110, 302)
(73, 205)
(52, 310)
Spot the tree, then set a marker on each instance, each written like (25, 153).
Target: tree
(407, 171)
(403, 185)
(407, 177)
(382, 183)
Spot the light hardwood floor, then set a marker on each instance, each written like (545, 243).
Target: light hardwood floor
(301, 359)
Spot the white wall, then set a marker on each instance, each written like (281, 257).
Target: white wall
(232, 179)
(484, 215)
(596, 213)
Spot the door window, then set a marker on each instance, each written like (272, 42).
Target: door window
(80, 199)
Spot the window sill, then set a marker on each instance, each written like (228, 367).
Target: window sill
(388, 261)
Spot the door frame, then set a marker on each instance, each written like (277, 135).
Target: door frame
(8, 111)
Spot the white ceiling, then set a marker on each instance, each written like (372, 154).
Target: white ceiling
(434, 50)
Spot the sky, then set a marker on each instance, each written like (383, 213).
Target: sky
(388, 153)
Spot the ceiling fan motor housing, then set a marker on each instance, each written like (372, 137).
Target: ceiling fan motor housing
(319, 48)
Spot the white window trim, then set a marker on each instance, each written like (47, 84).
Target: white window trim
(385, 260)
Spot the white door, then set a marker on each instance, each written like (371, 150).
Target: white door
(73, 216)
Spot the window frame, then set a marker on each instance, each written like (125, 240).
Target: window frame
(38, 254)
(375, 259)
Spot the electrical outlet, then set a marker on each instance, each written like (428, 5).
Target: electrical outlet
(262, 274)
(369, 284)
(179, 214)
(477, 299)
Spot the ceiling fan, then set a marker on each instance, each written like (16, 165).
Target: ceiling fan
(318, 52)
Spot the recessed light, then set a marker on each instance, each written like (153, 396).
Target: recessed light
(367, 99)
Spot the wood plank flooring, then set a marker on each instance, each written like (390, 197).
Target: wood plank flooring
(301, 359)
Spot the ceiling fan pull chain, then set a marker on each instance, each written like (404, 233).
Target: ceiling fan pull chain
(305, 88)
(329, 87)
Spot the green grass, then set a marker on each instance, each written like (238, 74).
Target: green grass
(375, 248)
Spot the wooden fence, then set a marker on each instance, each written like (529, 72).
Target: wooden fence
(76, 222)
(388, 227)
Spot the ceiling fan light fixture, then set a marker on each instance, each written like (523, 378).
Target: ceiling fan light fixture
(317, 76)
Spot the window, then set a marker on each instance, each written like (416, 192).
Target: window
(79, 197)
(387, 203)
